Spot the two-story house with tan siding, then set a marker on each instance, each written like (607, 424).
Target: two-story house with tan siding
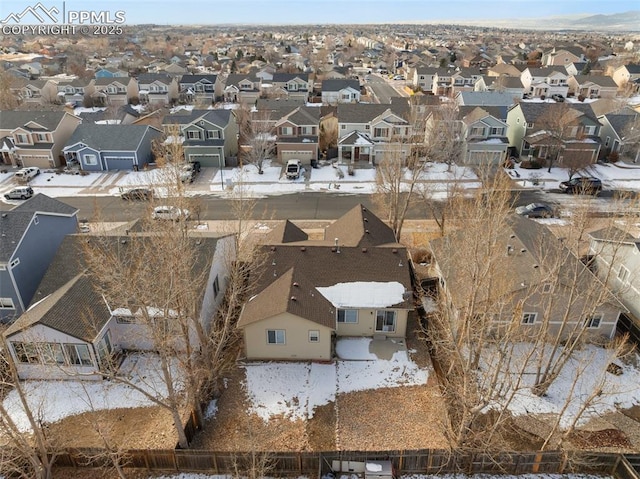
(297, 135)
(591, 86)
(368, 132)
(354, 283)
(544, 82)
(117, 91)
(36, 138)
(562, 56)
(292, 85)
(157, 89)
(543, 288)
(245, 89)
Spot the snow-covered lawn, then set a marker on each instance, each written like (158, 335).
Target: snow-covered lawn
(55, 400)
(587, 369)
(191, 475)
(295, 389)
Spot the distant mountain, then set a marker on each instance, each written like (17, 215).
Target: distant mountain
(615, 22)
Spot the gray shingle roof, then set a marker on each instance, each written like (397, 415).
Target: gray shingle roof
(360, 112)
(340, 84)
(110, 137)
(14, 223)
(14, 119)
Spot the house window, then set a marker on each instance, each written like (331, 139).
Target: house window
(593, 322)
(385, 321)
(497, 131)
(51, 353)
(546, 288)
(22, 139)
(529, 125)
(606, 142)
(348, 316)
(286, 130)
(216, 287)
(275, 336)
(6, 303)
(104, 346)
(623, 273)
(529, 318)
(367, 127)
(78, 354)
(193, 135)
(15, 263)
(343, 127)
(42, 137)
(314, 336)
(90, 160)
(380, 132)
(213, 134)
(590, 130)
(477, 131)
(26, 353)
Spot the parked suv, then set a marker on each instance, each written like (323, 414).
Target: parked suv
(28, 173)
(22, 193)
(189, 171)
(172, 213)
(293, 169)
(582, 184)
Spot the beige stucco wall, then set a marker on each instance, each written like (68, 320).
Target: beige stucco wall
(366, 325)
(297, 345)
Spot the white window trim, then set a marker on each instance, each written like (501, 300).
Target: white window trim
(276, 331)
(90, 159)
(590, 320)
(345, 317)
(525, 314)
(14, 263)
(314, 336)
(7, 303)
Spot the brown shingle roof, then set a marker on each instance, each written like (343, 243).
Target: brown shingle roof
(285, 232)
(360, 227)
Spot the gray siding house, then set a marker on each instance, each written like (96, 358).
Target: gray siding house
(210, 136)
(31, 235)
(97, 147)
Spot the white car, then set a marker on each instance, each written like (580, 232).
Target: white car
(28, 173)
(172, 213)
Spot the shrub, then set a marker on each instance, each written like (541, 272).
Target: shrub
(531, 164)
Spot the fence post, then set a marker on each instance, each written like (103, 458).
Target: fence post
(536, 464)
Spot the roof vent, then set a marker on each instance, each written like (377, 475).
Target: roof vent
(512, 236)
(364, 209)
(303, 249)
(123, 241)
(366, 231)
(296, 284)
(336, 241)
(273, 248)
(523, 250)
(4, 215)
(333, 250)
(400, 264)
(293, 298)
(394, 251)
(535, 266)
(198, 242)
(366, 220)
(364, 250)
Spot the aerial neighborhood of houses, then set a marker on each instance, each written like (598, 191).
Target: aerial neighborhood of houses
(476, 318)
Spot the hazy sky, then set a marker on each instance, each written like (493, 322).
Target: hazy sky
(324, 11)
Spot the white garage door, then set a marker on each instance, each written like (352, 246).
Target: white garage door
(305, 156)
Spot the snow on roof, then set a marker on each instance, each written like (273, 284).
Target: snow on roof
(363, 294)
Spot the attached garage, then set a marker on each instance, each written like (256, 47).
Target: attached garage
(119, 163)
(206, 160)
(304, 155)
(486, 157)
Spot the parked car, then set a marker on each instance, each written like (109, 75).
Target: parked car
(557, 97)
(398, 77)
(536, 210)
(189, 171)
(28, 173)
(22, 193)
(172, 213)
(293, 169)
(139, 194)
(582, 184)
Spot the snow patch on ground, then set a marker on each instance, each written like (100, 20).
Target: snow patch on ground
(294, 390)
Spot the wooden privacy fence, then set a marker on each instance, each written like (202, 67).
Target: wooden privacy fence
(316, 464)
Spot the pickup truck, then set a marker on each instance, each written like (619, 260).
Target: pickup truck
(293, 169)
